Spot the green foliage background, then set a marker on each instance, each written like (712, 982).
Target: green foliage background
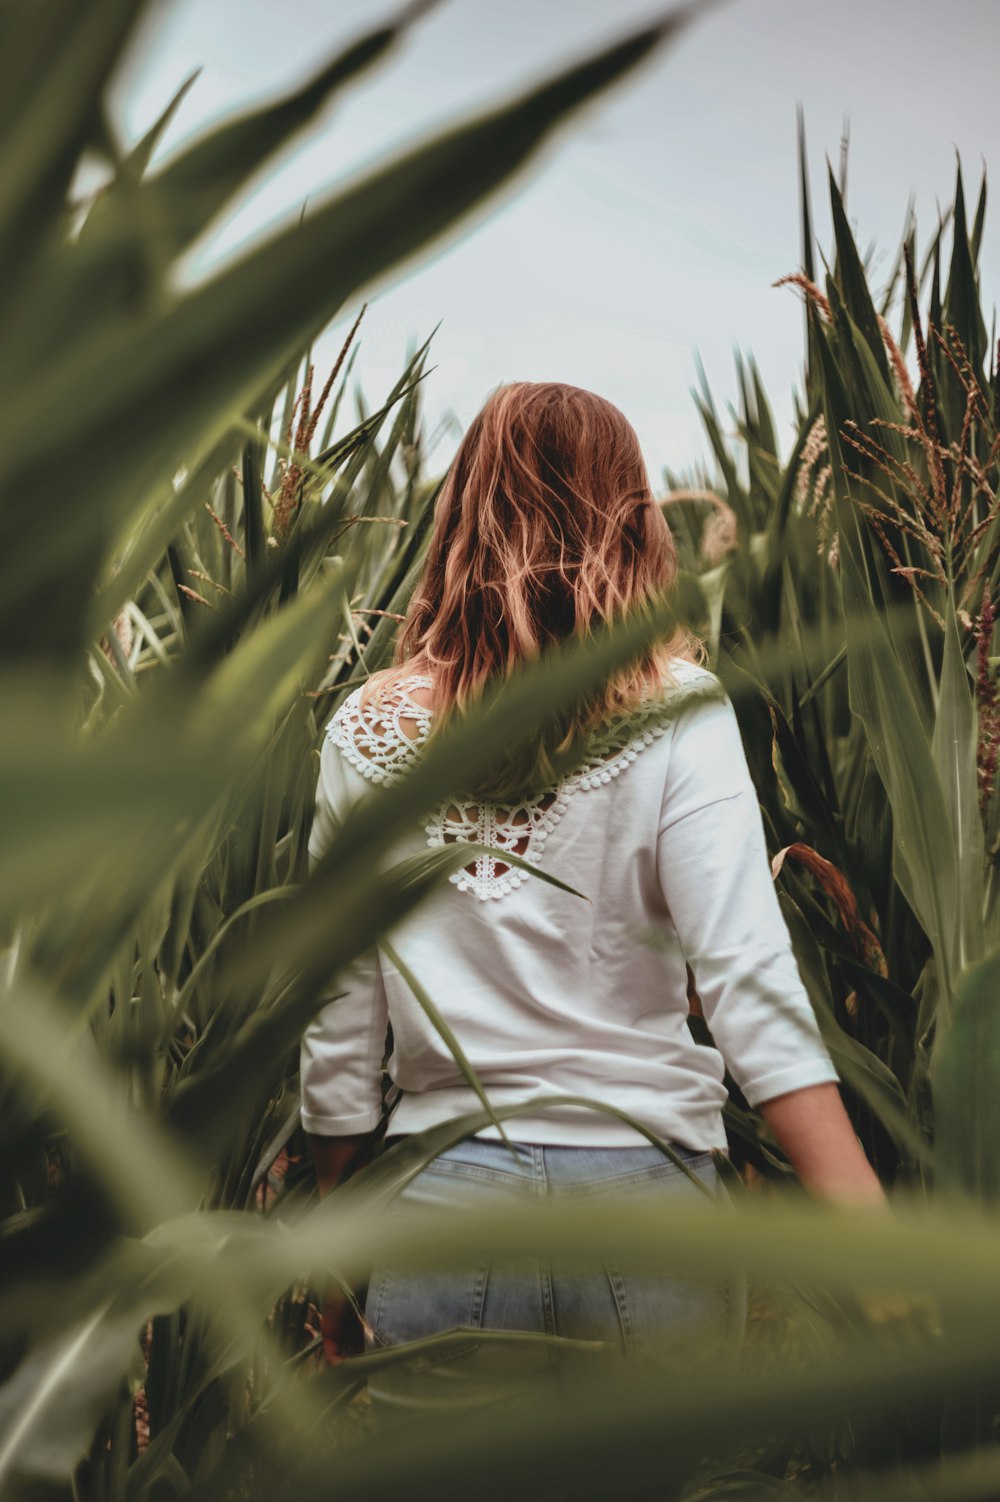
(193, 572)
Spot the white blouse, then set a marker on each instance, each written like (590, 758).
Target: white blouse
(551, 994)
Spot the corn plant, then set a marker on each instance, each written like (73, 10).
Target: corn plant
(176, 624)
(848, 592)
(194, 572)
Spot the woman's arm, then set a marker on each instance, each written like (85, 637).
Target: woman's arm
(341, 1049)
(716, 877)
(341, 1066)
(814, 1131)
(336, 1158)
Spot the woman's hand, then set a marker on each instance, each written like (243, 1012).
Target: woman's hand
(342, 1330)
(900, 1319)
(814, 1131)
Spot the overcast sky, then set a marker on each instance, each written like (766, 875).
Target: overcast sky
(651, 230)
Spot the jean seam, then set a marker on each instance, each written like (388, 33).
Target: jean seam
(453, 1169)
(619, 1293)
(548, 1301)
(376, 1319)
(633, 1176)
(479, 1296)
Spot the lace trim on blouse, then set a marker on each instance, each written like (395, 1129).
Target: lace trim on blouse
(373, 741)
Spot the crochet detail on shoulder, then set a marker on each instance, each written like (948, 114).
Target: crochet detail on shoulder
(374, 739)
(384, 741)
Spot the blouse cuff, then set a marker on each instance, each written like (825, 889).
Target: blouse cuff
(341, 1126)
(793, 1077)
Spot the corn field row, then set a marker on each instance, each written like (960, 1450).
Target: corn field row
(195, 570)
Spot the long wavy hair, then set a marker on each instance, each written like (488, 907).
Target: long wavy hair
(545, 526)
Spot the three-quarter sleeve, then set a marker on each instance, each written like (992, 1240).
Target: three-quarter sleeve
(716, 879)
(341, 1052)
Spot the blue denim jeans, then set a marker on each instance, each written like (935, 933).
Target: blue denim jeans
(639, 1314)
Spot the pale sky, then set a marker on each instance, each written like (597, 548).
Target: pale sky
(650, 230)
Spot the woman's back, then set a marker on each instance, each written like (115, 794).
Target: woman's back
(546, 526)
(549, 993)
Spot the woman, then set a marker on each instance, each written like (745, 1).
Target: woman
(545, 526)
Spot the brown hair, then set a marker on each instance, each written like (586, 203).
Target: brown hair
(545, 525)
